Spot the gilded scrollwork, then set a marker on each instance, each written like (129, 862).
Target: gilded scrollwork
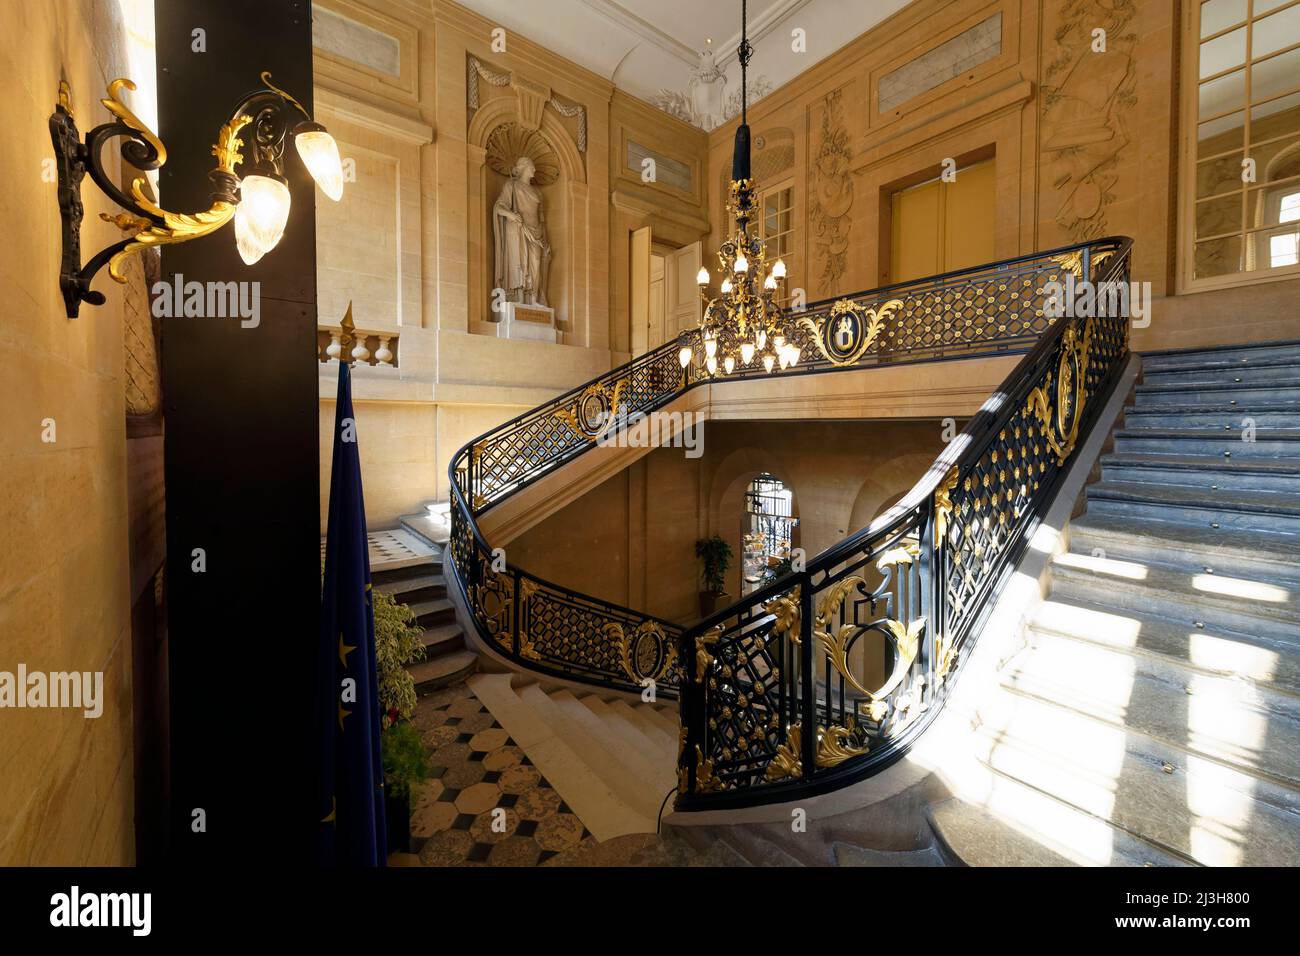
(1059, 409)
(648, 635)
(786, 610)
(787, 763)
(594, 410)
(943, 505)
(836, 744)
(845, 334)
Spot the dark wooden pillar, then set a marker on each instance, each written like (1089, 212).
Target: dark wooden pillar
(241, 447)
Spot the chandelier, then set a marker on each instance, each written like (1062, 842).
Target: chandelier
(743, 324)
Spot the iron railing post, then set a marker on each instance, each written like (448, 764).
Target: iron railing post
(808, 713)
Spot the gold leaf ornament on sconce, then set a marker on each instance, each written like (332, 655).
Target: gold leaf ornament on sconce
(257, 200)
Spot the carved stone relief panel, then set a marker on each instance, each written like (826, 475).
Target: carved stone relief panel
(1088, 98)
(830, 192)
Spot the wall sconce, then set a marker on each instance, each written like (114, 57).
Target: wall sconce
(257, 198)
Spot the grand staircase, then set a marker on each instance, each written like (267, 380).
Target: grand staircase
(1153, 716)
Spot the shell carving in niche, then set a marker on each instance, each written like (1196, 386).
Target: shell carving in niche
(509, 141)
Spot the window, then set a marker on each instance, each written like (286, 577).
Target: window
(769, 528)
(776, 229)
(1243, 180)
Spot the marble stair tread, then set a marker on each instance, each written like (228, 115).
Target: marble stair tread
(442, 638)
(1233, 722)
(1015, 825)
(430, 530)
(1215, 365)
(1240, 604)
(589, 797)
(419, 582)
(850, 854)
(587, 743)
(1158, 793)
(443, 669)
(1240, 391)
(645, 738)
(1225, 353)
(1222, 499)
(666, 718)
(1194, 547)
(1272, 663)
(1215, 435)
(638, 774)
(431, 607)
(1260, 466)
(625, 731)
(644, 721)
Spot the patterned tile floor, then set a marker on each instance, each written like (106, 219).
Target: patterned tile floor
(477, 770)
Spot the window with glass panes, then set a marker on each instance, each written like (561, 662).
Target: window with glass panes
(776, 228)
(1245, 211)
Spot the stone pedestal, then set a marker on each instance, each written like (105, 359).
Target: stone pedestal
(533, 322)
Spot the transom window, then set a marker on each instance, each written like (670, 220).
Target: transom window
(1245, 202)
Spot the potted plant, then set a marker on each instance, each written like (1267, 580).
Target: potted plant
(405, 764)
(715, 554)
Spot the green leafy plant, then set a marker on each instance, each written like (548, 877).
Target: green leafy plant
(716, 555)
(405, 761)
(398, 642)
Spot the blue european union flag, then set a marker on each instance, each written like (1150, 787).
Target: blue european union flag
(350, 794)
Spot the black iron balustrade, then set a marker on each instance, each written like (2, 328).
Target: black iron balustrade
(828, 673)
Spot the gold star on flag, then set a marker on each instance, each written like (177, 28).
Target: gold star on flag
(343, 713)
(344, 650)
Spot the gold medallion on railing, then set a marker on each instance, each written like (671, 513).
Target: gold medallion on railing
(844, 335)
(594, 410)
(647, 654)
(1059, 406)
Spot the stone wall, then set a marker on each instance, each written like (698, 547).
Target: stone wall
(645, 520)
(427, 110)
(66, 791)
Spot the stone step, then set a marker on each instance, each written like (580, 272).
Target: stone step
(1231, 394)
(666, 717)
(1274, 513)
(1015, 825)
(590, 797)
(1189, 806)
(630, 773)
(1273, 416)
(1228, 355)
(442, 639)
(1212, 443)
(664, 743)
(433, 611)
(592, 743)
(1167, 643)
(616, 718)
(1271, 371)
(415, 588)
(1232, 722)
(432, 531)
(442, 670)
(850, 854)
(1196, 548)
(1242, 474)
(1217, 601)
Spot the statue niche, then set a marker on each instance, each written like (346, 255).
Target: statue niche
(521, 249)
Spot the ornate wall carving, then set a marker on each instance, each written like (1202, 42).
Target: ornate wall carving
(830, 190)
(1087, 99)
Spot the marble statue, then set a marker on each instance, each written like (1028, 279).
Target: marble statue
(523, 253)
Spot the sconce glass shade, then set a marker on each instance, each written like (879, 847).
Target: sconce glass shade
(711, 364)
(768, 361)
(320, 154)
(685, 355)
(726, 287)
(729, 364)
(702, 277)
(742, 264)
(778, 269)
(260, 216)
(747, 352)
(710, 347)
